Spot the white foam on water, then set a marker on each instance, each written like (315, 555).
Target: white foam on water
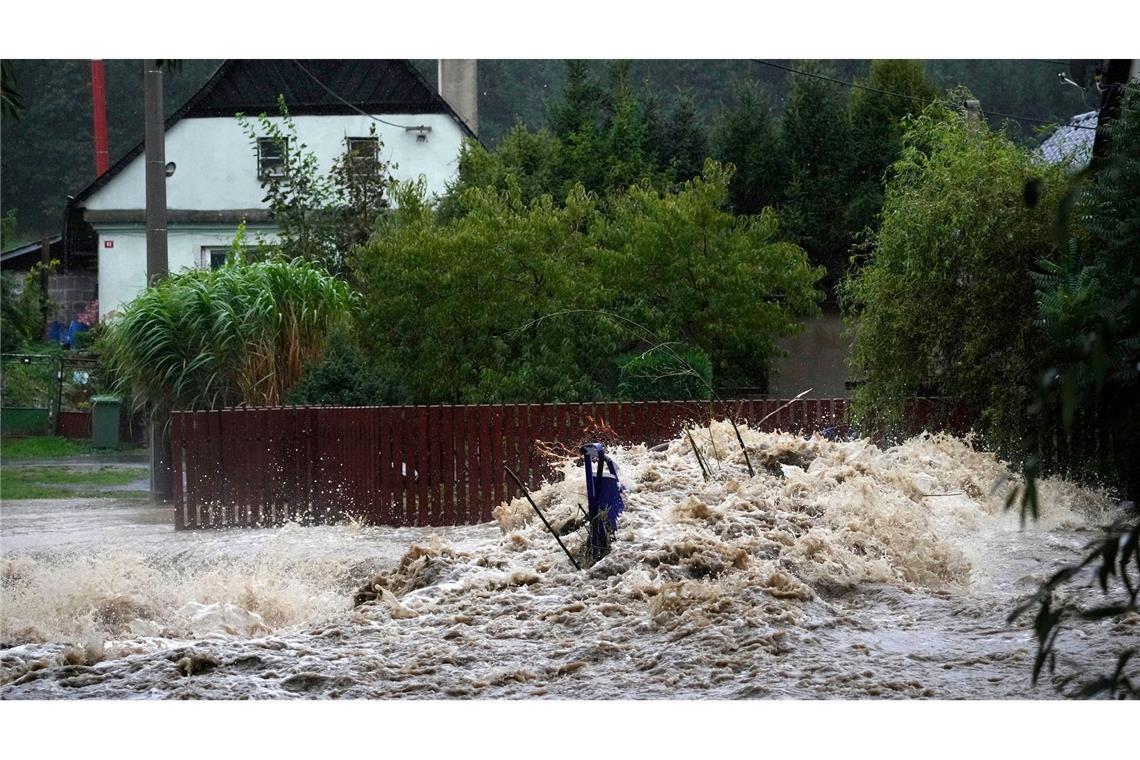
(839, 569)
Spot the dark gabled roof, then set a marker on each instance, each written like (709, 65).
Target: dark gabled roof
(374, 86)
(251, 86)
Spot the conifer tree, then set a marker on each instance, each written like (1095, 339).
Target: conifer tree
(686, 143)
(748, 138)
(815, 136)
(876, 130)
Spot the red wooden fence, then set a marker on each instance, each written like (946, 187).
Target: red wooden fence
(418, 465)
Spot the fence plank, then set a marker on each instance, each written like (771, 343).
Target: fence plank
(486, 473)
(178, 470)
(435, 465)
(236, 459)
(497, 456)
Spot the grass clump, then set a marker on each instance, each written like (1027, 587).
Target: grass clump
(36, 482)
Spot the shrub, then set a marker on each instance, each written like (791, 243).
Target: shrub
(666, 373)
(239, 334)
(345, 376)
(517, 301)
(943, 304)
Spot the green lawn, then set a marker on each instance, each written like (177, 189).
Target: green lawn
(48, 447)
(22, 482)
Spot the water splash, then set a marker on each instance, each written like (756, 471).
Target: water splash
(885, 572)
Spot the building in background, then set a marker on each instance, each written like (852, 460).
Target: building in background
(215, 174)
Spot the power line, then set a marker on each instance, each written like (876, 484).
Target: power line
(330, 91)
(857, 86)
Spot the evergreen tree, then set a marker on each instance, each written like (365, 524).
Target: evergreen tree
(815, 136)
(876, 130)
(654, 122)
(579, 106)
(748, 138)
(686, 143)
(575, 120)
(623, 142)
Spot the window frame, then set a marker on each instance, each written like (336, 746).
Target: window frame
(362, 164)
(279, 170)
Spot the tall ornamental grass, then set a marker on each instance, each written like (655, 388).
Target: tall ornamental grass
(240, 334)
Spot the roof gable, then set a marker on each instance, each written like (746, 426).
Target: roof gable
(310, 87)
(316, 87)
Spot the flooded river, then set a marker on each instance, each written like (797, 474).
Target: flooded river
(838, 571)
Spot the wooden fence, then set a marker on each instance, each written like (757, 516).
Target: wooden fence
(421, 465)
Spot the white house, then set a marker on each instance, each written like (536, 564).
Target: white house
(216, 183)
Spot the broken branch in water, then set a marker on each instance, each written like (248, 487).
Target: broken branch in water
(697, 454)
(542, 517)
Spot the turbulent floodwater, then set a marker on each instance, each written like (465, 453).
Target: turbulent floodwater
(839, 570)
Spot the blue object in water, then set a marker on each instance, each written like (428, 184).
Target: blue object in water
(603, 495)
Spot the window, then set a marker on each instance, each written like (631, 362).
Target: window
(363, 154)
(214, 257)
(270, 157)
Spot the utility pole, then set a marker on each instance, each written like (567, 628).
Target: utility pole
(1115, 74)
(156, 259)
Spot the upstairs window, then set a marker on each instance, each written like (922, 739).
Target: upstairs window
(270, 158)
(363, 154)
(215, 256)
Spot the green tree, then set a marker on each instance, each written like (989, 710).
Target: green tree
(457, 304)
(944, 304)
(1088, 301)
(686, 142)
(815, 137)
(688, 270)
(579, 106)
(22, 311)
(515, 301)
(1090, 315)
(623, 146)
(319, 216)
(900, 89)
(525, 160)
(655, 130)
(346, 375)
(748, 138)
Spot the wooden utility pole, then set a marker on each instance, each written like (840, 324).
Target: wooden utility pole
(45, 273)
(156, 259)
(1116, 73)
(157, 264)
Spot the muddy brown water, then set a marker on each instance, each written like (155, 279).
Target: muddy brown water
(839, 571)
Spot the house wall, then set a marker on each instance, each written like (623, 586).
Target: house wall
(71, 292)
(816, 359)
(217, 170)
(122, 270)
(217, 166)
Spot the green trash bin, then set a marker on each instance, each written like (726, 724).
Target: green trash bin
(105, 421)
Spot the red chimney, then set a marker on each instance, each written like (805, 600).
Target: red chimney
(99, 106)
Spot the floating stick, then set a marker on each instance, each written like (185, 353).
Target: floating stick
(700, 460)
(541, 516)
